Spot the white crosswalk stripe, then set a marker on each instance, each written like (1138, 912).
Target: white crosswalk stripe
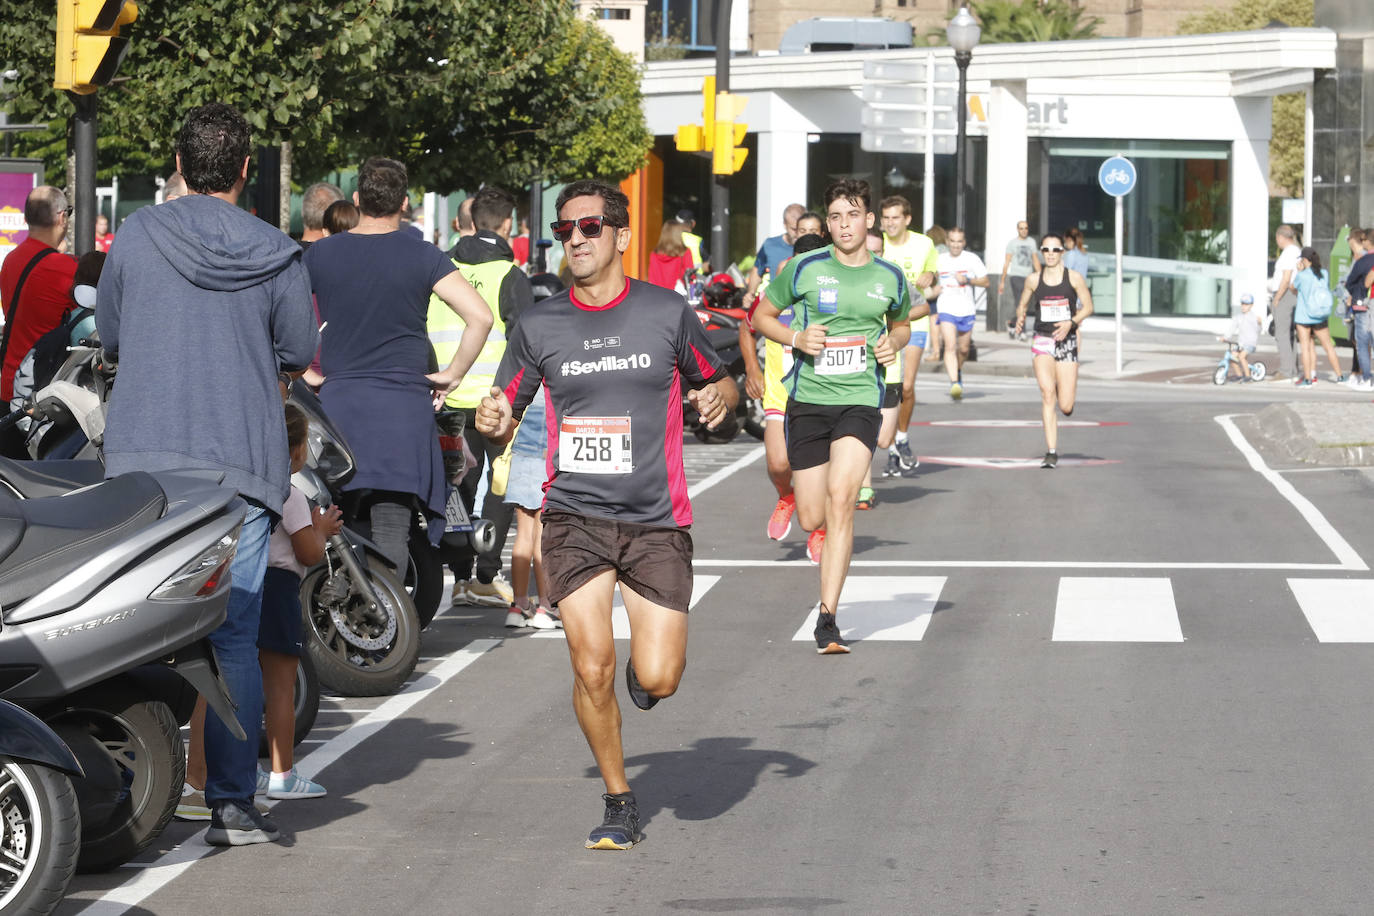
(882, 608)
(1338, 610)
(1115, 609)
(620, 621)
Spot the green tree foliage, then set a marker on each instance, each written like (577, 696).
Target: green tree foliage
(1289, 137)
(1027, 20)
(464, 91)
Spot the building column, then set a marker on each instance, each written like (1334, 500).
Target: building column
(1250, 201)
(782, 178)
(1005, 183)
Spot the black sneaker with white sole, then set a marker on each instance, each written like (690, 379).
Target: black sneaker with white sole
(828, 638)
(638, 695)
(620, 827)
(894, 465)
(1050, 460)
(235, 824)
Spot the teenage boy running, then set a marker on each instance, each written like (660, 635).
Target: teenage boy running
(849, 322)
(916, 255)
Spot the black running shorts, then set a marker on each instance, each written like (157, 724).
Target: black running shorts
(892, 395)
(655, 562)
(280, 627)
(812, 427)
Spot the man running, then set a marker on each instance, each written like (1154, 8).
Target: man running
(766, 383)
(849, 322)
(915, 254)
(1061, 303)
(610, 352)
(960, 271)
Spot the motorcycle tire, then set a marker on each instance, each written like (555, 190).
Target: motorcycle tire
(344, 667)
(307, 705)
(41, 837)
(120, 816)
(424, 577)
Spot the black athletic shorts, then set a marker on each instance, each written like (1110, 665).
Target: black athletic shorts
(811, 428)
(892, 395)
(1314, 325)
(655, 562)
(280, 627)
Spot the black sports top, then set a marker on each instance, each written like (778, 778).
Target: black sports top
(1052, 303)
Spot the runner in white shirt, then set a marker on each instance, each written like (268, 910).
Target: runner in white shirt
(959, 272)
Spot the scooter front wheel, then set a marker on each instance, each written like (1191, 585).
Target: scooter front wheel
(41, 837)
(358, 652)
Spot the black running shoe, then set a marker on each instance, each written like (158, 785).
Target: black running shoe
(620, 829)
(828, 638)
(1050, 460)
(232, 824)
(894, 465)
(905, 457)
(638, 695)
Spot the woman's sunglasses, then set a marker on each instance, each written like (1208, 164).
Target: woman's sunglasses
(589, 226)
(1055, 250)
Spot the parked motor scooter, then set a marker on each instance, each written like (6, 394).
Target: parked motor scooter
(721, 311)
(101, 588)
(40, 823)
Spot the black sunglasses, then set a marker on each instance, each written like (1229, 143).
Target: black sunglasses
(1055, 250)
(589, 226)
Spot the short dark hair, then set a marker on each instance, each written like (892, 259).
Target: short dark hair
(88, 269)
(809, 242)
(213, 142)
(851, 189)
(896, 200)
(615, 206)
(1054, 235)
(43, 205)
(297, 426)
(340, 216)
(812, 214)
(382, 186)
(315, 201)
(491, 207)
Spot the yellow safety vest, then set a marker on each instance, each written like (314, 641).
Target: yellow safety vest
(693, 243)
(446, 329)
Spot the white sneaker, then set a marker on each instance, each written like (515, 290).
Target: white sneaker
(293, 785)
(543, 619)
(496, 593)
(264, 778)
(518, 617)
(192, 806)
(1366, 384)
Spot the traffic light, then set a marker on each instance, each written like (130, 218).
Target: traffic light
(89, 46)
(727, 157)
(694, 138)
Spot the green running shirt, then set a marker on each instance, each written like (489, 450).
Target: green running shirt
(854, 304)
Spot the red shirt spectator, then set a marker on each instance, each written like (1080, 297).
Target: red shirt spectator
(670, 258)
(46, 295)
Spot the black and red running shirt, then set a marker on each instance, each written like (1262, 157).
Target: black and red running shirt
(614, 377)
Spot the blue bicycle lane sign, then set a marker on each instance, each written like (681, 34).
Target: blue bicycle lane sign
(1117, 176)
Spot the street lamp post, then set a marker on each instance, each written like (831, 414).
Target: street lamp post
(963, 33)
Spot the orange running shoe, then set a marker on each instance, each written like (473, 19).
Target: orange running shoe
(813, 545)
(780, 522)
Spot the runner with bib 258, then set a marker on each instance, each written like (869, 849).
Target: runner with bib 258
(850, 321)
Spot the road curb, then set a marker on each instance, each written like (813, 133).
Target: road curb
(1282, 427)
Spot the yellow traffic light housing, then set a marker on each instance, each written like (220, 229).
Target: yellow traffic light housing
(89, 46)
(727, 157)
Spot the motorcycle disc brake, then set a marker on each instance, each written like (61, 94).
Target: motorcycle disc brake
(354, 631)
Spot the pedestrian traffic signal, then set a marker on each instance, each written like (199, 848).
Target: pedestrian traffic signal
(727, 156)
(89, 46)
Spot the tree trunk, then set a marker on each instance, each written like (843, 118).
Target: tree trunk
(285, 208)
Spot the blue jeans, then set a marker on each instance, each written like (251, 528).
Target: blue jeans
(1364, 343)
(231, 765)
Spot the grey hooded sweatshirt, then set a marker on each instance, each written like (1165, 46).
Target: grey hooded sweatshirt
(203, 303)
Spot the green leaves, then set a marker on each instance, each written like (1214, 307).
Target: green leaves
(526, 87)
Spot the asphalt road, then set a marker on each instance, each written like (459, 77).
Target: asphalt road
(1134, 684)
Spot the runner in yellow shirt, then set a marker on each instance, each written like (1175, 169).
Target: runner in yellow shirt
(916, 255)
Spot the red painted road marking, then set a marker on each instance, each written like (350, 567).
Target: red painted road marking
(1016, 424)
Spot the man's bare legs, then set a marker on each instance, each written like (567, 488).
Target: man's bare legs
(658, 646)
(825, 498)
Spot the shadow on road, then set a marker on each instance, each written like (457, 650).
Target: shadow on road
(706, 780)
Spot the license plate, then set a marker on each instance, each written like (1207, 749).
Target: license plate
(455, 516)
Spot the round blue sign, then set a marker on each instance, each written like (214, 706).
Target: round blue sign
(1117, 176)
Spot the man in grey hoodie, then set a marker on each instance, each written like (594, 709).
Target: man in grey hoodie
(203, 305)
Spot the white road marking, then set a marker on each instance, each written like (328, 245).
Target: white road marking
(1338, 610)
(1346, 554)
(1027, 564)
(702, 486)
(1012, 464)
(882, 608)
(1017, 424)
(156, 875)
(1115, 609)
(620, 621)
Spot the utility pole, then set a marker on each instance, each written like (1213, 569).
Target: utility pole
(83, 144)
(720, 188)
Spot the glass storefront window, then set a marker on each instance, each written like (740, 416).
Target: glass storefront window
(1177, 221)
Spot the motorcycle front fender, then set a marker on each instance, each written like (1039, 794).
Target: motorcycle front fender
(24, 736)
(196, 662)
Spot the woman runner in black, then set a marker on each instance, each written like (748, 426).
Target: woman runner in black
(1062, 303)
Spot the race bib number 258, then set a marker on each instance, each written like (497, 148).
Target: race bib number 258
(595, 445)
